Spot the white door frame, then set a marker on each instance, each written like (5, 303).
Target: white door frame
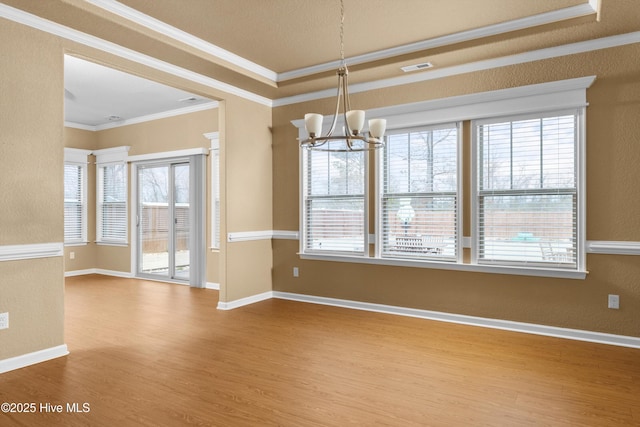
(197, 170)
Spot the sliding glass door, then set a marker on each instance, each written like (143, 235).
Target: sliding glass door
(170, 220)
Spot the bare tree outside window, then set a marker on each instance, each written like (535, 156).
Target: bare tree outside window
(420, 177)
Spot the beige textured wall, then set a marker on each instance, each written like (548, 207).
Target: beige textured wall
(31, 173)
(32, 292)
(613, 203)
(169, 134)
(246, 193)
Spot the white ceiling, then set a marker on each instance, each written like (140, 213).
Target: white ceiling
(99, 97)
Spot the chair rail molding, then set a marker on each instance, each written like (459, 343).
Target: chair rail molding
(613, 247)
(31, 251)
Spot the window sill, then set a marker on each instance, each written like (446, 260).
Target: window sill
(75, 244)
(124, 245)
(518, 271)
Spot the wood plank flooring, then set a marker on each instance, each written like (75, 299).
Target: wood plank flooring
(153, 354)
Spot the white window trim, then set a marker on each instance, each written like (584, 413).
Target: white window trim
(303, 200)
(379, 183)
(580, 113)
(106, 157)
(79, 157)
(214, 137)
(557, 95)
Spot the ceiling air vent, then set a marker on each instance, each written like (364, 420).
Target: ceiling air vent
(189, 99)
(416, 67)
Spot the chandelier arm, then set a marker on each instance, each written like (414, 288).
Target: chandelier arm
(345, 89)
(346, 103)
(335, 115)
(349, 136)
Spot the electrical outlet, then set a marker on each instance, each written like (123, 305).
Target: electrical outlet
(72, 255)
(296, 272)
(614, 301)
(4, 320)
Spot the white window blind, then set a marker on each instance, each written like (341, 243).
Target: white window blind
(111, 220)
(111, 195)
(526, 205)
(75, 212)
(418, 214)
(75, 195)
(335, 202)
(215, 194)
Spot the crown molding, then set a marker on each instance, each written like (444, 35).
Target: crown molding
(158, 26)
(147, 118)
(158, 116)
(165, 29)
(592, 6)
(433, 74)
(50, 27)
(460, 37)
(80, 126)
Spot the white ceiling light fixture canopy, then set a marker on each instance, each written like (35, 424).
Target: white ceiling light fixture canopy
(353, 138)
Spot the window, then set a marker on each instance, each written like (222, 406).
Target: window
(419, 194)
(526, 198)
(334, 210)
(215, 189)
(75, 196)
(513, 180)
(111, 221)
(111, 196)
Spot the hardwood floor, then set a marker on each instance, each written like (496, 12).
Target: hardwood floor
(154, 354)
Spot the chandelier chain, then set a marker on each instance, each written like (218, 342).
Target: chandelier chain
(342, 62)
(354, 137)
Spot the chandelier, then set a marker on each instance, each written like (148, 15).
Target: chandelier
(353, 119)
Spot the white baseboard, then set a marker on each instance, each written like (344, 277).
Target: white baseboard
(529, 328)
(124, 274)
(79, 272)
(28, 359)
(244, 301)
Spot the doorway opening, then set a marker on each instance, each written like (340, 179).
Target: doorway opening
(169, 220)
